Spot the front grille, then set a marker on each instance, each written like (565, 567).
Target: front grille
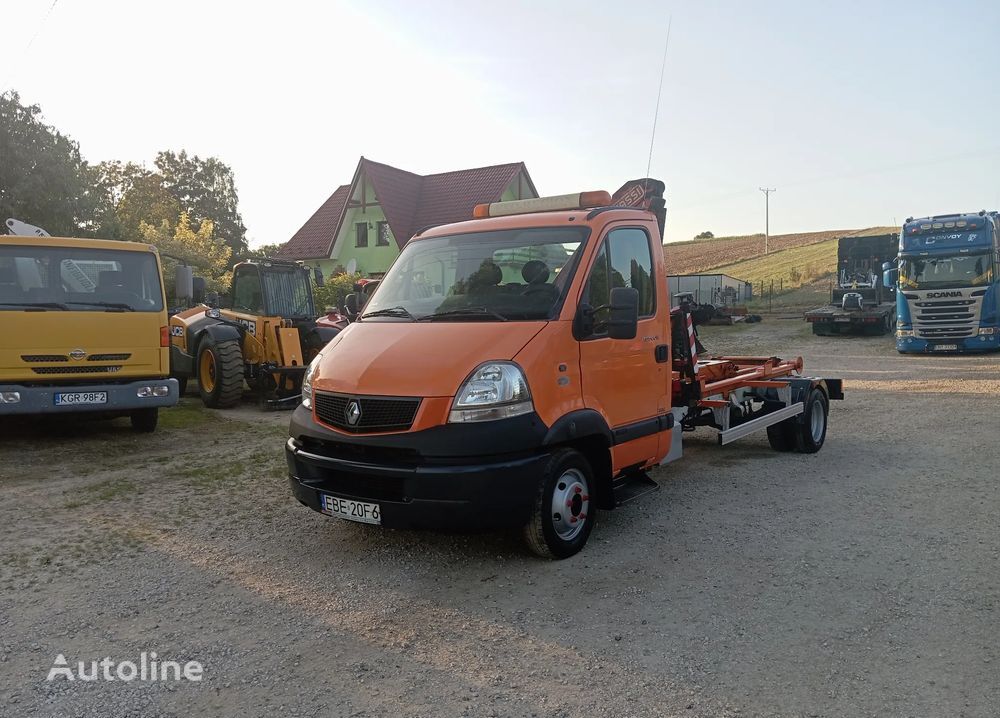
(75, 369)
(946, 318)
(109, 357)
(33, 358)
(377, 413)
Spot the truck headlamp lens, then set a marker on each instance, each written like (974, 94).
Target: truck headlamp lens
(904, 333)
(307, 389)
(496, 390)
(987, 331)
(10, 397)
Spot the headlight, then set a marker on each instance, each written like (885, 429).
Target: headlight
(987, 331)
(495, 390)
(307, 389)
(904, 333)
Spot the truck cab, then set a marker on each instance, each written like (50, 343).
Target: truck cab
(947, 295)
(85, 329)
(520, 370)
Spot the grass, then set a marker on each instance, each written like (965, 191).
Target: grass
(791, 268)
(188, 413)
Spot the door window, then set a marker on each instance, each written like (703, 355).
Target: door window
(246, 293)
(623, 260)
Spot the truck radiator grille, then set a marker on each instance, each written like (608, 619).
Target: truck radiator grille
(76, 369)
(946, 318)
(377, 413)
(38, 358)
(109, 357)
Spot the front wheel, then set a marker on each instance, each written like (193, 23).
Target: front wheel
(220, 373)
(564, 513)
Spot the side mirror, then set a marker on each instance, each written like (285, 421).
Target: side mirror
(624, 320)
(351, 305)
(213, 300)
(318, 277)
(183, 282)
(886, 266)
(198, 289)
(890, 277)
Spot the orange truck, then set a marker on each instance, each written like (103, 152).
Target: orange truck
(524, 369)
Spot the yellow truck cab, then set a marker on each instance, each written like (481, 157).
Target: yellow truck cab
(84, 329)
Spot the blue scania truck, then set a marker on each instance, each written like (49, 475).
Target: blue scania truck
(947, 299)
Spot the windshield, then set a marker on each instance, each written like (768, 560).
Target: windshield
(517, 274)
(79, 279)
(287, 293)
(966, 270)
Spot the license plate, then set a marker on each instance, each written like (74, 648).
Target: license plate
(946, 347)
(75, 398)
(352, 510)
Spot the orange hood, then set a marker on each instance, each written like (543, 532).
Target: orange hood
(410, 359)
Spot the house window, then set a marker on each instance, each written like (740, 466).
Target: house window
(382, 238)
(361, 234)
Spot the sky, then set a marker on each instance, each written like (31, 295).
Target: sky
(858, 113)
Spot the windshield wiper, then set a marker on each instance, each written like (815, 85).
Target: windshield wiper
(109, 305)
(36, 305)
(390, 312)
(465, 312)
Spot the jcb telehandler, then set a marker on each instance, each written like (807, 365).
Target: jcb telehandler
(264, 335)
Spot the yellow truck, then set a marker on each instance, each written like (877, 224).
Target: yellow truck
(83, 329)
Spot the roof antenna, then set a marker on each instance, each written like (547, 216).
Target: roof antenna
(659, 92)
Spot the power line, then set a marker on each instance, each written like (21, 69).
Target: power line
(659, 92)
(38, 30)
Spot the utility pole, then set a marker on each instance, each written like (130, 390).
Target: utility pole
(767, 217)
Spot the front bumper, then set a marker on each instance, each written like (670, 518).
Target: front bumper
(918, 345)
(416, 479)
(122, 398)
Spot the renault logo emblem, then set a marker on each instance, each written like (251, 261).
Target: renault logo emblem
(77, 354)
(353, 412)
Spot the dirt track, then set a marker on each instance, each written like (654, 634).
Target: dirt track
(859, 581)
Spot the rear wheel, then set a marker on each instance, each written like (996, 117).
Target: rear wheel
(144, 420)
(220, 372)
(564, 514)
(811, 432)
(781, 436)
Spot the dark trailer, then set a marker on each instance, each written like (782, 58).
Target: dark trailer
(859, 302)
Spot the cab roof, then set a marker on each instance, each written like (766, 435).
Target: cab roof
(75, 242)
(563, 218)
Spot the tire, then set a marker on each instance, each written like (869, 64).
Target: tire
(781, 436)
(144, 420)
(220, 373)
(820, 330)
(567, 480)
(811, 431)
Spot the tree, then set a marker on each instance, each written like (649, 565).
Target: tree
(705, 235)
(264, 251)
(209, 256)
(205, 189)
(43, 179)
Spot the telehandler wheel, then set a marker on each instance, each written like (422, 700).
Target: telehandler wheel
(564, 514)
(144, 420)
(220, 373)
(811, 431)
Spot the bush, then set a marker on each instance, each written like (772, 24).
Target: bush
(332, 294)
(705, 235)
(795, 275)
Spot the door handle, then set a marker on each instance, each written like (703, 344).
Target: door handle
(662, 353)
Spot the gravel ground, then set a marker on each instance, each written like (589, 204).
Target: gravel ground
(859, 581)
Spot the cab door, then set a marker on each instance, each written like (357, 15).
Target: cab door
(626, 380)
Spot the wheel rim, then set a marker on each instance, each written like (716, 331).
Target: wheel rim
(570, 504)
(206, 371)
(817, 421)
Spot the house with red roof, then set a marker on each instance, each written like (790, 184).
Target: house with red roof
(371, 219)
